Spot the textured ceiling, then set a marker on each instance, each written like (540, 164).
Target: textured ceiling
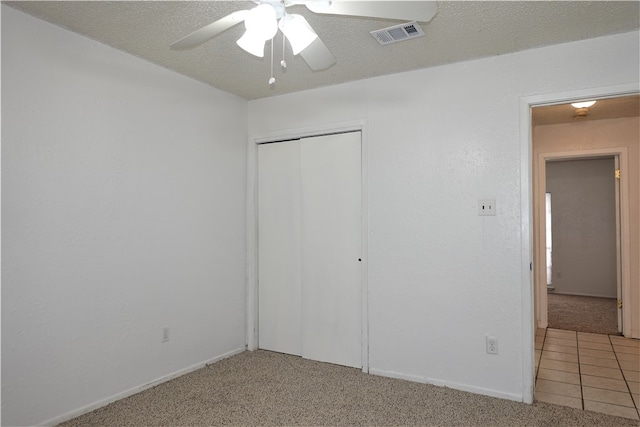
(461, 30)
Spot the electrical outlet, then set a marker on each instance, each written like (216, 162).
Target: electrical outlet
(165, 334)
(492, 345)
(487, 207)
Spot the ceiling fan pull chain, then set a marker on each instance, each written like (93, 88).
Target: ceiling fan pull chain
(272, 80)
(283, 63)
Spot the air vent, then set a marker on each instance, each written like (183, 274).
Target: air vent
(398, 33)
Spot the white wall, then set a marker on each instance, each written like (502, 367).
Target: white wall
(123, 195)
(441, 277)
(583, 226)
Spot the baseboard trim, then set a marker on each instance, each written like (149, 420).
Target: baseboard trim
(449, 384)
(104, 402)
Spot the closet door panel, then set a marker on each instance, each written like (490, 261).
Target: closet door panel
(331, 248)
(279, 248)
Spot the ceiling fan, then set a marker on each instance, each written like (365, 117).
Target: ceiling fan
(268, 16)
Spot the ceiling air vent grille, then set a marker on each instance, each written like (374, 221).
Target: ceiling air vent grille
(398, 33)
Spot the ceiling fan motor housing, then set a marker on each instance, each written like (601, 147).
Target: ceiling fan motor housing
(277, 5)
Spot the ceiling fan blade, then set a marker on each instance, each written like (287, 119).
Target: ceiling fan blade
(207, 32)
(410, 10)
(317, 56)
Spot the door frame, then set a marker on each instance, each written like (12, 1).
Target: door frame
(252, 332)
(526, 211)
(622, 229)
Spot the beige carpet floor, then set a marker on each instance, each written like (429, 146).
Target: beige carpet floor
(583, 314)
(265, 388)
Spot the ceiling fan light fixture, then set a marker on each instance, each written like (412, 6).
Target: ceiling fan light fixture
(298, 32)
(262, 21)
(252, 44)
(261, 25)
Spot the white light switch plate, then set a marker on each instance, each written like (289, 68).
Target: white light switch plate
(487, 207)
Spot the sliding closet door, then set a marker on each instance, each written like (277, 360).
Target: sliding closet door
(279, 260)
(309, 232)
(331, 249)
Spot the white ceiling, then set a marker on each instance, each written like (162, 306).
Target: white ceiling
(461, 30)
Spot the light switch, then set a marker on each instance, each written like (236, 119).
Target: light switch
(487, 207)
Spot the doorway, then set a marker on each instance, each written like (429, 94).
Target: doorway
(618, 157)
(574, 138)
(582, 270)
(532, 316)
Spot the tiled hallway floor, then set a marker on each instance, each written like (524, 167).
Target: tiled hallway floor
(594, 372)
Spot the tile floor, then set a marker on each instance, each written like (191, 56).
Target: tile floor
(594, 372)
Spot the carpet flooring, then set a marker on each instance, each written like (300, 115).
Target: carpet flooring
(583, 314)
(267, 389)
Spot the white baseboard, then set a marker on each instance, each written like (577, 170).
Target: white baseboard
(104, 402)
(449, 384)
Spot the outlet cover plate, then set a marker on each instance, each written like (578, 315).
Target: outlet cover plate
(492, 345)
